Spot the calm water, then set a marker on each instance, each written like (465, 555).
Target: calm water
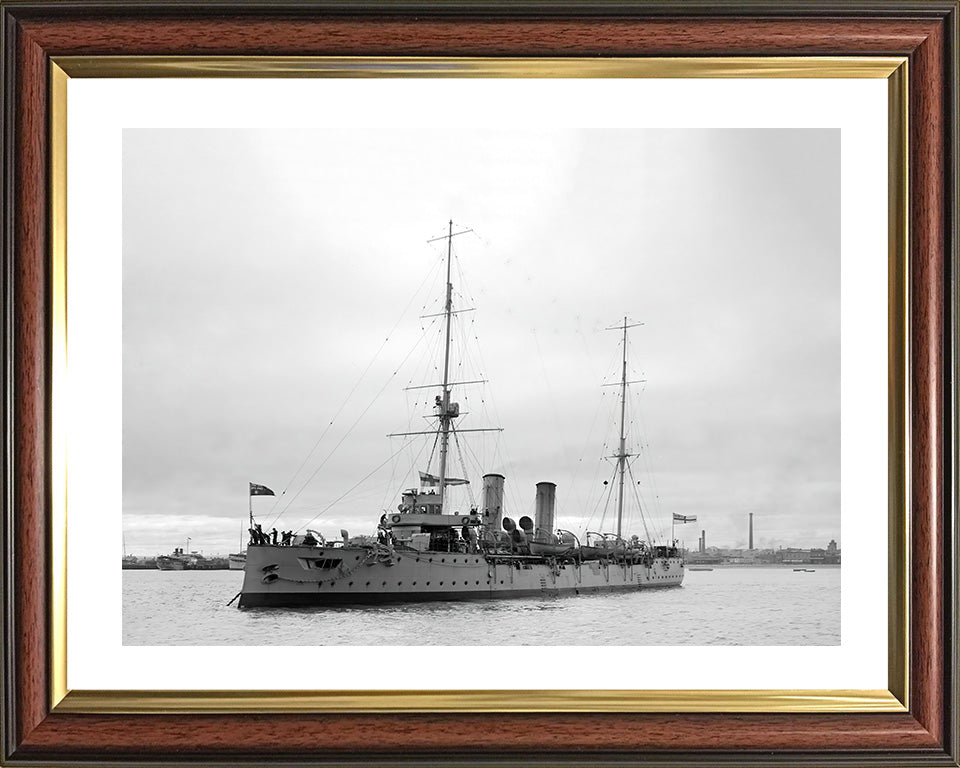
(726, 606)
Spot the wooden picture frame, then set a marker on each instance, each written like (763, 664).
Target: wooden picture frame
(915, 722)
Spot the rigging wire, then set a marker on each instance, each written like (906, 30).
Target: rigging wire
(463, 466)
(478, 463)
(352, 427)
(462, 351)
(586, 526)
(407, 443)
(612, 407)
(391, 483)
(613, 419)
(500, 445)
(459, 353)
(609, 490)
(350, 394)
(647, 456)
(643, 518)
(508, 463)
(557, 421)
(587, 442)
(433, 450)
(415, 459)
(352, 488)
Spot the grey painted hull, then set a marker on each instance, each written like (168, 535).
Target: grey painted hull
(326, 576)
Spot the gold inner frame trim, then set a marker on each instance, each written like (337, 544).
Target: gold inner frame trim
(893, 69)
(58, 371)
(431, 66)
(898, 383)
(234, 702)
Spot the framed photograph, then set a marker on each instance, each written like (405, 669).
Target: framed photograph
(543, 383)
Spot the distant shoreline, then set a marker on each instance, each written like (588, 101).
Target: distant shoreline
(779, 566)
(763, 565)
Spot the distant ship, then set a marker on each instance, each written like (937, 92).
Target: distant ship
(181, 560)
(427, 551)
(134, 563)
(237, 560)
(175, 561)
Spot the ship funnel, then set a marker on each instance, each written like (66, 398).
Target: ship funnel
(546, 508)
(492, 504)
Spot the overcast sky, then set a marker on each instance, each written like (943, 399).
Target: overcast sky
(274, 283)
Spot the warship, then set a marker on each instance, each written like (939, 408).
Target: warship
(426, 550)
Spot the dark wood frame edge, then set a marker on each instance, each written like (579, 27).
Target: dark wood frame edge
(928, 735)
(535, 9)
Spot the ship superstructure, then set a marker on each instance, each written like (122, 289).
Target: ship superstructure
(187, 560)
(428, 550)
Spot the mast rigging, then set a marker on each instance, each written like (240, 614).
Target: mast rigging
(621, 455)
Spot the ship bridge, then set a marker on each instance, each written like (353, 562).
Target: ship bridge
(431, 521)
(424, 508)
(420, 523)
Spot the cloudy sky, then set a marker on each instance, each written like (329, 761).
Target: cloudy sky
(274, 283)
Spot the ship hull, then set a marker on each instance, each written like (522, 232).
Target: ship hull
(317, 576)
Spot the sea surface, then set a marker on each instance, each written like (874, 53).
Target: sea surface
(725, 606)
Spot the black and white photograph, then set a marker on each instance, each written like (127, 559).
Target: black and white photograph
(470, 384)
(530, 385)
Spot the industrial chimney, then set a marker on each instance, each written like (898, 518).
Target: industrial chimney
(751, 532)
(703, 542)
(545, 513)
(492, 501)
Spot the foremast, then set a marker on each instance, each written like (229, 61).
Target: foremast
(447, 411)
(446, 415)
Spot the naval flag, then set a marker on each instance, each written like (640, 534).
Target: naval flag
(684, 519)
(260, 490)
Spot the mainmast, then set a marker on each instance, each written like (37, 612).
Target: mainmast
(621, 455)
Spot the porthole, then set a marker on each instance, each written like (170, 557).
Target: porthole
(384, 583)
(350, 584)
(443, 559)
(441, 583)
(414, 583)
(368, 583)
